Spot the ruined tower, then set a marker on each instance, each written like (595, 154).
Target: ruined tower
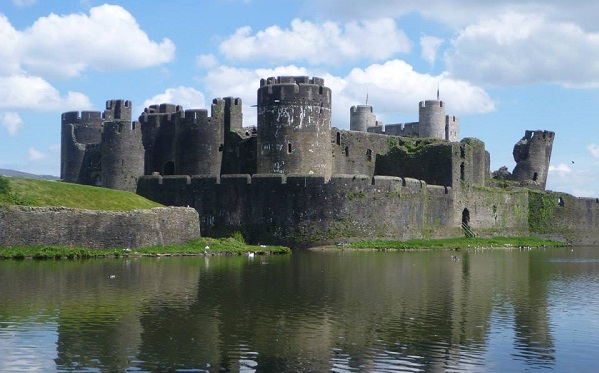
(361, 117)
(121, 147)
(294, 126)
(80, 147)
(532, 155)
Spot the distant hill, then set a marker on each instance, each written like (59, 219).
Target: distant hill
(13, 173)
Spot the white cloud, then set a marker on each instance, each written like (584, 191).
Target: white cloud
(594, 150)
(31, 92)
(187, 97)
(206, 61)
(109, 38)
(12, 122)
(395, 87)
(561, 168)
(35, 155)
(430, 45)
(326, 43)
(517, 48)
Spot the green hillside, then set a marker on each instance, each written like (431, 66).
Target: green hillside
(32, 192)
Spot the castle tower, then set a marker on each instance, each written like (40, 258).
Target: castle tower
(159, 137)
(361, 117)
(121, 148)
(431, 119)
(233, 114)
(532, 155)
(452, 128)
(294, 124)
(80, 139)
(201, 140)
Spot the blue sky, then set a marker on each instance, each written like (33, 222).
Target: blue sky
(503, 66)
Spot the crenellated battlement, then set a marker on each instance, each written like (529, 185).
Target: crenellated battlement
(83, 117)
(117, 110)
(431, 104)
(284, 90)
(292, 80)
(539, 136)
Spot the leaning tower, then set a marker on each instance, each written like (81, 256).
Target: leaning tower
(80, 139)
(294, 126)
(532, 155)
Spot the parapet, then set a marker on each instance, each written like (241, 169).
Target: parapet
(118, 110)
(305, 180)
(291, 80)
(431, 104)
(75, 117)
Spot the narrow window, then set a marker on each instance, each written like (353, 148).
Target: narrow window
(169, 168)
(289, 148)
(369, 155)
(347, 151)
(535, 176)
(462, 171)
(338, 138)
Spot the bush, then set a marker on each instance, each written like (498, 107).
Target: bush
(4, 185)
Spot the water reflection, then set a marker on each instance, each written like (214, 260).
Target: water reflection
(341, 312)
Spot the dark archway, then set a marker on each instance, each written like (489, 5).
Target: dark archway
(169, 168)
(466, 223)
(535, 176)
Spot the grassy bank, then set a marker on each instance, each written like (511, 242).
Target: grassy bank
(200, 246)
(453, 243)
(33, 192)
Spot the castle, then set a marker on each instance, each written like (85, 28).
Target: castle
(293, 179)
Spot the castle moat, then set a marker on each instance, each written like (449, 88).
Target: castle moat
(476, 311)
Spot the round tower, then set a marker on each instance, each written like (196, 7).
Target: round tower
(294, 126)
(361, 117)
(80, 134)
(431, 119)
(122, 155)
(201, 139)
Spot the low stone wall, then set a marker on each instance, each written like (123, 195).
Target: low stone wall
(23, 226)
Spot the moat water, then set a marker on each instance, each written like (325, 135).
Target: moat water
(485, 311)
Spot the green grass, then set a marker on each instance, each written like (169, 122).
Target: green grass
(32, 192)
(200, 246)
(455, 243)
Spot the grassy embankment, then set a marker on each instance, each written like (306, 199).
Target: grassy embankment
(31, 192)
(459, 243)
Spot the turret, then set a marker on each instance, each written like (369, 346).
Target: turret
(80, 137)
(532, 155)
(159, 137)
(294, 123)
(122, 155)
(361, 117)
(432, 119)
(119, 110)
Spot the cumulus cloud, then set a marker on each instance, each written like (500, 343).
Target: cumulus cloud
(429, 46)
(188, 97)
(109, 38)
(516, 48)
(561, 168)
(35, 155)
(325, 43)
(32, 92)
(12, 122)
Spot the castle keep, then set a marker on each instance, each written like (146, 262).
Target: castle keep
(294, 179)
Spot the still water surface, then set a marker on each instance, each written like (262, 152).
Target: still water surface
(489, 311)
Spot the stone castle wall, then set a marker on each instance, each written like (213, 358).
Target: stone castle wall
(304, 210)
(30, 226)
